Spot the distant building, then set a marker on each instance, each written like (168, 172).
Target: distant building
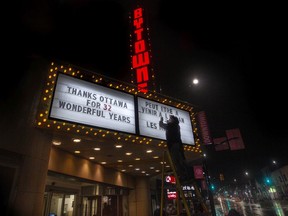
(280, 180)
(272, 183)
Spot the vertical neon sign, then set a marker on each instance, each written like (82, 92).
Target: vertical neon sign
(140, 52)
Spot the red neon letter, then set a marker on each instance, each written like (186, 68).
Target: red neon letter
(139, 46)
(138, 33)
(142, 74)
(140, 60)
(137, 13)
(138, 22)
(143, 87)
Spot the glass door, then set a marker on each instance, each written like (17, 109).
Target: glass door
(59, 204)
(91, 206)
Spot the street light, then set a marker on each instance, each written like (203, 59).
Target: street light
(246, 173)
(249, 186)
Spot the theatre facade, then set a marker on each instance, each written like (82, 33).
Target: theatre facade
(78, 143)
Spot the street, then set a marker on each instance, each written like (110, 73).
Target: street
(263, 208)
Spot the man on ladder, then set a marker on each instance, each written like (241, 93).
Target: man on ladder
(177, 159)
(175, 147)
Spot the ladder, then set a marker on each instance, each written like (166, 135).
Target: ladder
(179, 189)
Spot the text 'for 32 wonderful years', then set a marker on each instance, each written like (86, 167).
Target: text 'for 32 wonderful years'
(95, 105)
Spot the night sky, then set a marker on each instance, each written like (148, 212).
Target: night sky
(236, 50)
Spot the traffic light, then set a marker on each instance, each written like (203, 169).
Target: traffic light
(267, 180)
(212, 187)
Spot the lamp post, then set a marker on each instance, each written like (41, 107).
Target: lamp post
(209, 189)
(249, 187)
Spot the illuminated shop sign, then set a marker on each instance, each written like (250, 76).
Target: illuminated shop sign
(140, 54)
(170, 179)
(171, 195)
(150, 112)
(188, 188)
(189, 191)
(79, 101)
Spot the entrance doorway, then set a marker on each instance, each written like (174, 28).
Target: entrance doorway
(110, 205)
(69, 196)
(91, 206)
(59, 204)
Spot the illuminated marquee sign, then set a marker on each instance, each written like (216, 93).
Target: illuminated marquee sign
(149, 114)
(140, 54)
(79, 101)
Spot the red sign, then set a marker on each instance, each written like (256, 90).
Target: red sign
(235, 139)
(140, 54)
(205, 132)
(170, 179)
(198, 172)
(221, 144)
(171, 195)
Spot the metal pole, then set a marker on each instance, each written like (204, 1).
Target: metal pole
(210, 194)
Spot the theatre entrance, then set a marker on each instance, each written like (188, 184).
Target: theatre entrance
(70, 196)
(59, 204)
(91, 206)
(103, 206)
